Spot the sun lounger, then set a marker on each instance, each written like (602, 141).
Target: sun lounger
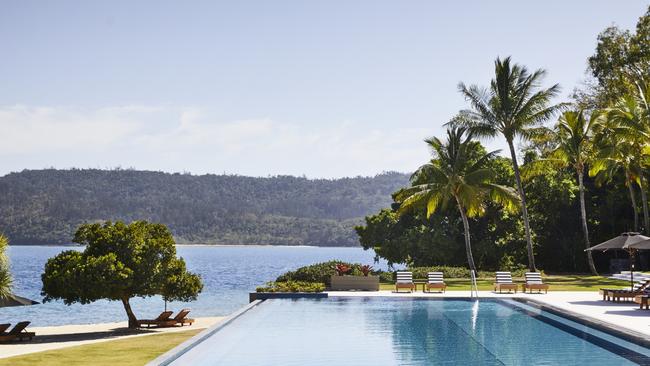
(182, 319)
(435, 280)
(504, 282)
(19, 332)
(4, 327)
(534, 282)
(640, 288)
(642, 300)
(404, 280)
(163, 320)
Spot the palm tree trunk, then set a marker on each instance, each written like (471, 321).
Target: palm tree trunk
(635, 210)
(644, 203)
(585, 228)
(524, 210)
(468, 244)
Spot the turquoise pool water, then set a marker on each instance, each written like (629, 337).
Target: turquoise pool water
(391, 331)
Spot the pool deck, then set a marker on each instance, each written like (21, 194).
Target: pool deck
(587, 305)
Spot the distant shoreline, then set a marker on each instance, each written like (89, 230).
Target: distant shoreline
(197, 245)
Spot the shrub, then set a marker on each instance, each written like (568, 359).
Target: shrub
(319, 272)
(292, 286)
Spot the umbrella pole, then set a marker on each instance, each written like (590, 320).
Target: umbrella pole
(631, 269)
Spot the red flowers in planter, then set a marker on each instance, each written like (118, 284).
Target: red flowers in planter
(365, 269)
(342, 269)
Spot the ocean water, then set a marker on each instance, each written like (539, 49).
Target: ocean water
(229, 273)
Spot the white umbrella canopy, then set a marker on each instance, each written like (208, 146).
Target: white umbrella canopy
(630, 242)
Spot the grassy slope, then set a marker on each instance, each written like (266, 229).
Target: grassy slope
(557, 283)
(123, 352)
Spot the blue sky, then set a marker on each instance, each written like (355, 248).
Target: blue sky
(324, 89)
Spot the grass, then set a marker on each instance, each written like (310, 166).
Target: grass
(557, 283)
(123, 352)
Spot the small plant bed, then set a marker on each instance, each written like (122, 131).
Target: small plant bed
(292, 286)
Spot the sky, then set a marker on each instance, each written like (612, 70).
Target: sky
(323, 89)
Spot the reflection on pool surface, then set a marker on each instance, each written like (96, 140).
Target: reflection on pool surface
(383, 331)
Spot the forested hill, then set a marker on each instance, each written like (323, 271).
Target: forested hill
(45, 206)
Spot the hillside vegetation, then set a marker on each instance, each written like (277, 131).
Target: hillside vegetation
(46, 206)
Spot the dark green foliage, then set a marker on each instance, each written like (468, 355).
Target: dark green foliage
(45, 206)
(292, 286)
(119, 262)
(320, 272)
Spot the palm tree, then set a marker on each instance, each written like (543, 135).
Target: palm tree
(572, 146)
(631, 127)
(455, 174)
(5, 275)
(514, 106)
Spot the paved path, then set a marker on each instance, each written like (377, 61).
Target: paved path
(49, 338)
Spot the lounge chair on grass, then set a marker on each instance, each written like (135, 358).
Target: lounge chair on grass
(19, 332)
(182, 319)
(404, 280)
(163, 320)
(640, 288)
(435, 280)
(504, 282)
(534, 282)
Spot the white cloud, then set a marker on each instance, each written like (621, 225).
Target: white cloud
(193, 139)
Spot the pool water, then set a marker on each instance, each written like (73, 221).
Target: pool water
(403, 331)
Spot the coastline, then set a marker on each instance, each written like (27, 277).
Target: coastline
(63, 336)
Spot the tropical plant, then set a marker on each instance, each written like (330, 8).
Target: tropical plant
(622, 144)
(456, 174)
(365, 269)
(6, 280)
(342, 269)
(570, 144)
(514, 106)
(292, 286)
(120, 262)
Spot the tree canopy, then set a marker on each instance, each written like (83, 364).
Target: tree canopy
(120, 261)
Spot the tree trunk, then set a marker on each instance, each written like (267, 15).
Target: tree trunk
(468, 244)
(644, 203)
(524, 210)
(133, 321)
(585, 228)
(635, 210)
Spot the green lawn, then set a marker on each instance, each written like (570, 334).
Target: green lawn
(557, 283)
(124, 352)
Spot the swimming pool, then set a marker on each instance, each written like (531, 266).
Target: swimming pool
(407, 331)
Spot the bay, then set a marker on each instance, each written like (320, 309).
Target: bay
(229, 273)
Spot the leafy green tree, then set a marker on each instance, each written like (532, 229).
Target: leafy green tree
(5, 274)
(514, 106)
(120, 262)
(571, 145)
(453, 175)
(621, 61)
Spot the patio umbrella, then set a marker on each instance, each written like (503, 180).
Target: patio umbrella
(14, 300)
(627, 242)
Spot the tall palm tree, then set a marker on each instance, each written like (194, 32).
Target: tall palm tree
(629, 117)
(5, 275)
(572, 145)
(514, 106)
(454, 174)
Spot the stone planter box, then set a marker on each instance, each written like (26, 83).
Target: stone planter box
(361, 283)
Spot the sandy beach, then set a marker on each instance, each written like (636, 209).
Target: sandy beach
(49, 338)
